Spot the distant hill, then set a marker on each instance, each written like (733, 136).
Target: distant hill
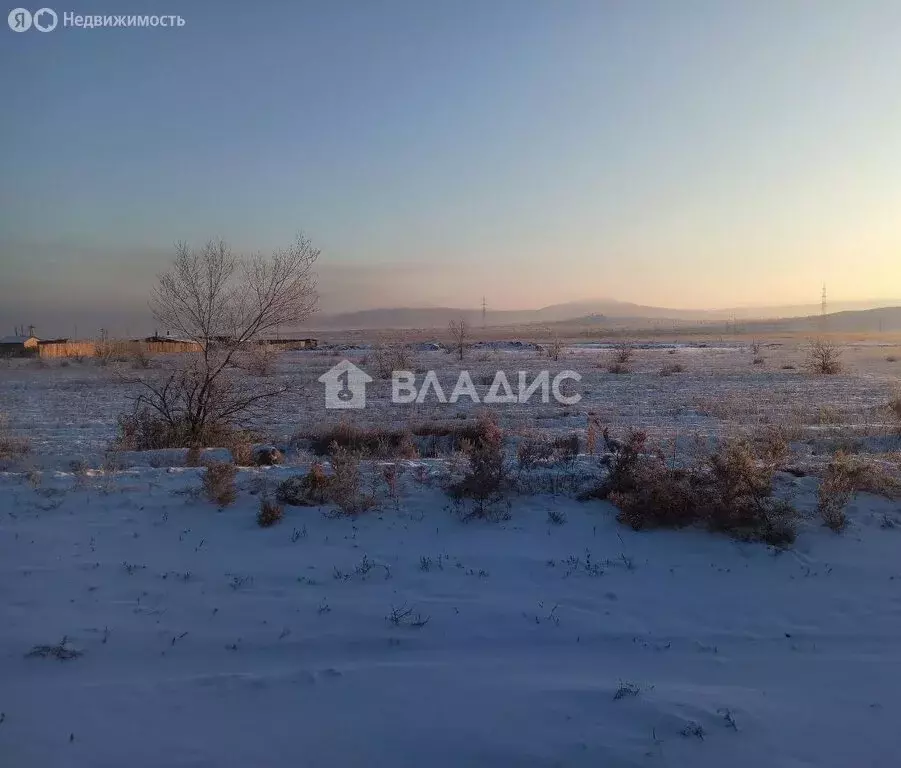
(883, 319)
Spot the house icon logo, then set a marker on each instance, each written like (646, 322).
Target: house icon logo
(345, 386)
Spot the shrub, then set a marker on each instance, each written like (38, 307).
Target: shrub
(623, 352)
(835, 491)
(141, 359)
(393, 357)
(366, 441)
(823, 357)
(875, 478)
(346, 483)
(379, 442)
(620, 358)
(758, 361)
(891, 359)
(566, 447)
(258, 359)
(267, 456)
(486, 478)
(103, 353)
(270, 513)
(445, 437)
(736, 496)
(621, 462)
(146, 430)
(308, 491)
(846, 474)
(554, 349)
(533, 451)
(391, 475)
(669, 370)
(659, 497)
(406, 446)
(219, 482)
(772, 446)
(240, 446)
(729, 491)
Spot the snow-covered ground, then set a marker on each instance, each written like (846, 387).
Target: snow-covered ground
(69, 411)
(201, 639)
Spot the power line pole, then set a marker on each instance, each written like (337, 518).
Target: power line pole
(823, 309)
(484, 310)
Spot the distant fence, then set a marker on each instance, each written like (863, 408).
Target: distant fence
(68, 349)
(123, 348)
(113, 348)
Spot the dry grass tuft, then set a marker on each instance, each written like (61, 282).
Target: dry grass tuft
(192, 457)
(11, 446)
(270, 513)
(218, 482)
(591, 436)
(894, 407)
(388, 443)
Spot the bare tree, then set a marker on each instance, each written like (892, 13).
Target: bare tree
(823, 357)
(459, 333)
(225, 303)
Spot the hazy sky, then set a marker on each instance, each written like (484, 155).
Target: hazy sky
(673, 153)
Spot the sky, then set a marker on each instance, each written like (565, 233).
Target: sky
(692, 154)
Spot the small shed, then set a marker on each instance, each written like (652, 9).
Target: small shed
(18, 346)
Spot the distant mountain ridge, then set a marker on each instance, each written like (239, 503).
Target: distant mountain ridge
(598, 312)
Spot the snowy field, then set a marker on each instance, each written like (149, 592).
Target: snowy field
(553, 636)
